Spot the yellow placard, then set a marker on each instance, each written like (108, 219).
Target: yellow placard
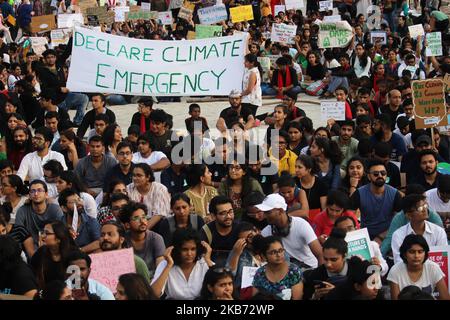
(241, 13)
(190, 35)
(11, 20)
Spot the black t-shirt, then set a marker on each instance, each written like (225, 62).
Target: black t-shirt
(19, 280)
(316, 72)
(162, 143)
(266, 181)
(44, 266)
(221, 245)
(394, 175)
(230, 115)
(294, 114)
(218, 171)
(319, 189)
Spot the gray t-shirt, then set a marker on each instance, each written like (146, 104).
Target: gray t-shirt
(154, 247)
(33, 222)
(93, 177)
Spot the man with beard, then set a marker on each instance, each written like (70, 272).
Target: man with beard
(146, 244)
(87, 230)
(376, 201)
(88, 287)
(122, 170)
(20, 147)
(394, 107)
(439, 200)
(112, 237)
(346, 142)
(382, 127)
(234, 113)
(222, 233)
(297, 235)
(34, 215)
(427, 176)
(98, 107)
(31, 165)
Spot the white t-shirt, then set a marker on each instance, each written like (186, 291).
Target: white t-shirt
(154, 157)
(31, 165)
(436, 204)
(434, 234)
(176, 286)
(297, 241)
(430, 276)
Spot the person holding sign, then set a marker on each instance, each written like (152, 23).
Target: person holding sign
(416, 210)
(416, 269)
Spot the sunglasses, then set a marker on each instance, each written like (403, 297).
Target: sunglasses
(221, 270)
(379, 173)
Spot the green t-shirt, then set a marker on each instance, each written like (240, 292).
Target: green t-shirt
(2, 156)
(141, 268)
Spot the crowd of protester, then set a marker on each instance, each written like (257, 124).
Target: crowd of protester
(283, 206)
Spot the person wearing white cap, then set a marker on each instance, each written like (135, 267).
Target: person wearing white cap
(299, 239)
(234, 113)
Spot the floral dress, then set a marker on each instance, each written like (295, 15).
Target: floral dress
(282, 288)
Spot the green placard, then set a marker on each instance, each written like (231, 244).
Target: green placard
(204, 31)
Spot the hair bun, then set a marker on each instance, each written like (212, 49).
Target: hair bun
(337, 233)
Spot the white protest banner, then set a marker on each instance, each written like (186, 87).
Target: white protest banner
(248, 273)
(434, 44)
(279, 8)
(440, 255)
(294, 4)
(165, 17)
(283, 33)
(120, 13)
(325, 5)
(214, 14)
(108, 266)
(59, 36)
(106, 63)
(69, 20)
(378, 36)
(335, 34)
(416, 30)
(332, 110)
(333, 18)
(358, 242)
(175, 4)
(146, 6)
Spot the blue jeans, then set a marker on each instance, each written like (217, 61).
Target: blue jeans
(272, 92)
(337, 82)
(116, 99)
(79, 101)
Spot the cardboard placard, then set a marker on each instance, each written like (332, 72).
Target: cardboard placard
(294, 4)
(434, 44)
(107, 266)
(186, 11)
(325, 5)
(83, 5)
(141, 15)
(332, 110)
(241, 13)
(102, 14)
(165, 17)
(204, 31)
(175, 4)
(282, 32)
(429, 103)
(416, 30)
(378, 36)
(69, 20)
(59, 36)
(335, 34)
(358, 242)
(440, 255)
(43, 23)
(212, 15)
(447, 82)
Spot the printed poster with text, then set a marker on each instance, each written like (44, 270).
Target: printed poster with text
(440, 256)
(359, 244)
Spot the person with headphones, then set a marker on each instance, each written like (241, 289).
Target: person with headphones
(299, 240)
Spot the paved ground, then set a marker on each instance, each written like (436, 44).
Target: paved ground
(210, 110)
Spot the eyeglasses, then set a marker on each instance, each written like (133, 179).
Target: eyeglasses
(126, 154)
(224, 213)
(274, 252)
(40, 190)
(221, 270)
(379, 173)
(138, 218)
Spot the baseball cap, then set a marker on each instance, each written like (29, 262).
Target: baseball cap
(272, 201)
(235, 94)
(423, 139)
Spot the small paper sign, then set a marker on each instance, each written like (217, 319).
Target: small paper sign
(332, 110)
